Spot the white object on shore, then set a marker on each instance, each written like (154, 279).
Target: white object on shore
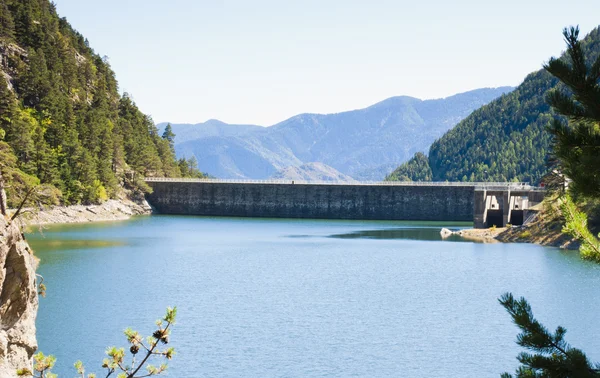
(446, 233)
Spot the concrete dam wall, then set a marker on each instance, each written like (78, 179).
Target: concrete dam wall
(317, 201)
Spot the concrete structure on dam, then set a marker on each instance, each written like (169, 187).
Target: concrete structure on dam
(482, 203)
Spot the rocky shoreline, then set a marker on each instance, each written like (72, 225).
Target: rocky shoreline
(111, 210)
(485, 235)
(539, 231)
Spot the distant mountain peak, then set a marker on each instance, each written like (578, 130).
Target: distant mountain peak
(214, 121)
(313, 171)
(356, 142)
(396, 100)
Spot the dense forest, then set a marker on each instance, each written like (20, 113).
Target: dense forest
(63, 124)
(506, 140)
(416, 169)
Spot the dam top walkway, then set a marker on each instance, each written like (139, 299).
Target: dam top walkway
(476, 185)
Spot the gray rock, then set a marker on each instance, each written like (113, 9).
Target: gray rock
(445, 233)
(18, 301)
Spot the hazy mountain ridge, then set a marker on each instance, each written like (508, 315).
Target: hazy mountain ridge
(312, 172)
(210, 128)
(355, 142)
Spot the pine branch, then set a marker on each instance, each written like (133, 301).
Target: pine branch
(116, 356)
(553, 356)
(576, 226)
(566, 106)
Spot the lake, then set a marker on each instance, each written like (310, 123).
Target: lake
(304, 298)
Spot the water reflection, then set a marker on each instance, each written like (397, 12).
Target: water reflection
(47, 245)
(419, 233)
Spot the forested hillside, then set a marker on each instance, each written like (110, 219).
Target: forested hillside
(506, 140)
(62, 120)
(416, 169)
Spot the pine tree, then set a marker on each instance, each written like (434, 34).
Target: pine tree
(183, 167)
(552, 356)
(7, 104)
(7, 24)
(576, 145)
(169, 136)
(35, 83)
(63, 117)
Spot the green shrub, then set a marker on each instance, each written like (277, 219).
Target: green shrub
(525, 234)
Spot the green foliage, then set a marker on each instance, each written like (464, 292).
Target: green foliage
(169, 136)
(81, 370)
(61, 112)
(24, 189)
(552, 356)
(576, 225)
(142, 186)
(116, 357)
(7, 24)
(42, 366)
(503, 141)
(525, 234)
(189, 168)
(508, 139)
(416, 169)
(98, 192)
(576, 144)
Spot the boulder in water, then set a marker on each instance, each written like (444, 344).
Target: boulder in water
(445, 233)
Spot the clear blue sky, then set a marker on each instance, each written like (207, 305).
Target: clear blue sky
(262, 61)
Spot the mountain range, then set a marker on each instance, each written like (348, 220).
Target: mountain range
(365, 144)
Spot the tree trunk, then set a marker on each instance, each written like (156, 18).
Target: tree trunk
(3, 204)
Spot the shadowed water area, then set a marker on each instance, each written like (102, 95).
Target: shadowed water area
(306, 298)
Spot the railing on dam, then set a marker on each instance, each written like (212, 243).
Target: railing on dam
(476, 185)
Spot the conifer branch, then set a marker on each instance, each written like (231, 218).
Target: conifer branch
(116, 356)
(553, 356)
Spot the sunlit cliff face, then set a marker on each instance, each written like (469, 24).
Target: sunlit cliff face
(18, 300)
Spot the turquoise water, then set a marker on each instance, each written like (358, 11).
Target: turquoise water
(305, 298)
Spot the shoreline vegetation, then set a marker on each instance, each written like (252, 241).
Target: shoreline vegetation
(539, 231)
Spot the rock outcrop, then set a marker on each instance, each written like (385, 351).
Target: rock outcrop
(18, 299)
(111, 210)
(446, 233)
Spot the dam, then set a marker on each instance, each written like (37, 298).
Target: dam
(485, 204)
